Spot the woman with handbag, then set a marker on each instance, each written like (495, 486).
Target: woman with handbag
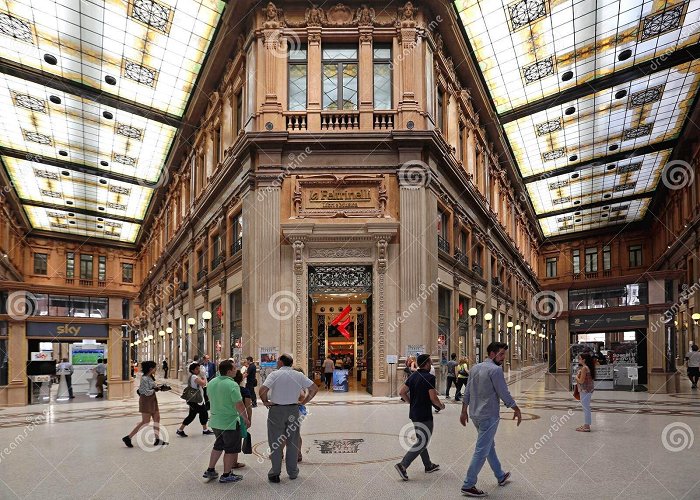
(584, 387)
(194, 395)
(462, 370)
(246, 446)
(148, 404)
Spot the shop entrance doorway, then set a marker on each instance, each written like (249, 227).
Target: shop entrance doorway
(340, 326)
(46, 383)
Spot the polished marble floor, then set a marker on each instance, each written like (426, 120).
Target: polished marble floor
(642, 446)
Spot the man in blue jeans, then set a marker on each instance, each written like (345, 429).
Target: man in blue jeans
(485, 387)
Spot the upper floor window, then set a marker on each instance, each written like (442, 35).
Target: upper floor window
(440, 118)
(239, 111)
(591, 260)
(551, 267)
(127, 272)
(70, 265)
(463, 242)
(635, 255)
(297, 78)
(85, 267)
(102, 268)
(340, 73)
(201, 261)
(382, 76)
(607, 261)
(215, 249)
(236, 234)
(443, 221)
(40, 263)
(576, 260)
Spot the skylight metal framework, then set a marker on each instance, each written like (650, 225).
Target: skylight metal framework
(91, 93)
(592, 97)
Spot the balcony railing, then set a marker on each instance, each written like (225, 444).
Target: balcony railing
(216, 261)
(496, 282)
(85, 282)
(462, 259)
(476, 268)
(70, 281)
(443, 244)
(201, 274)
(237, 246)
(340, 120)
(295, 120)
(590, 276)
(384, 120)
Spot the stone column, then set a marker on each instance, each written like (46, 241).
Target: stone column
(315, 88)
(366, 84)
(265, 303)
(300, 338)
(275, 47)
(410, 66)
(418, 263)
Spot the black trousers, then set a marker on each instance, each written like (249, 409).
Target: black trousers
(450, 381)
(196, 410)
(329, 379)
(253, 397)
(460, 383)
(206, 398)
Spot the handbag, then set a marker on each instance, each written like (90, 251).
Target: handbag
(247, 446)
(577, 395)
(192, 395)
(462, 372)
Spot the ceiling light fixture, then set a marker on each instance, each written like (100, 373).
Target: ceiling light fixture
(55, 99)
(110, 80)
(50, 59)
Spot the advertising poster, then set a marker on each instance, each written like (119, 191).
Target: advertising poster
(340, 380)
(268, 357)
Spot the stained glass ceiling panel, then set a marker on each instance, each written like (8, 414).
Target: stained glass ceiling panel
(146, 51)
(43, 183)
(53, 124)
(645, 111)
(81, 225)
(531, 49)
(594, 218)
(612, 180)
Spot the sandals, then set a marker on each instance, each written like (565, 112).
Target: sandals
(583, 428)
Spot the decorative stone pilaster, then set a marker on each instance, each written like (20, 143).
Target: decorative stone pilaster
(300, 295)
(382, 244)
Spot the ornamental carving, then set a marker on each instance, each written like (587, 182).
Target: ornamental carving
(329, 279)
(315, 16)
(364, 16)
(406, 17)
(339, 253)
(340, 15)
(274, 17)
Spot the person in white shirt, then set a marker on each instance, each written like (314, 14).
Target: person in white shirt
(693, 359)
(66, 369)
(280, 393)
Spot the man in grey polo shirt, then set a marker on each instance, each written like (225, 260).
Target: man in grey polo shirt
(280, 393)
(481, 400)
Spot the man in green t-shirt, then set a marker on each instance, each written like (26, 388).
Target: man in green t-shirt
(226, 407)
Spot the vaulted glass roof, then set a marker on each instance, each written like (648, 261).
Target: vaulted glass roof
(91, 93)
(592, 96)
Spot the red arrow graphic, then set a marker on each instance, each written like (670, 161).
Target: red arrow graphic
(346, 321)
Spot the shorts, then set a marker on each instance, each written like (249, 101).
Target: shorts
(693, 371)
(228, 441)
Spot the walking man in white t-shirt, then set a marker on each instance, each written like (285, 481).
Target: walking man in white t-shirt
(693, 359)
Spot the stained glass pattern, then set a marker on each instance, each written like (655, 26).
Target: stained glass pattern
(593, 218)
(81, 225)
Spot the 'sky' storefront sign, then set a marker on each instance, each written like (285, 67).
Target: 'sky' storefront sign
(67, 330)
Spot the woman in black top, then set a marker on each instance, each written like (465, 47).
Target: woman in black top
(247, 401)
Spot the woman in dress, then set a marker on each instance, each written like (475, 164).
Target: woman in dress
(584, 379)
(148, 404)
(196, 408)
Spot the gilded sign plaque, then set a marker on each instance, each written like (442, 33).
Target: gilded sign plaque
(340, 196)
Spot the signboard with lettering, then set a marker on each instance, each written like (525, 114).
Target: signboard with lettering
(67, 330)
(607, 322)
(331, 195)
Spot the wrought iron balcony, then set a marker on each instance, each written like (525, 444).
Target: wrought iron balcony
(443, 244)
(462, 258)
(216, 261)
(201, 274)
(496, 282)
(476, 268)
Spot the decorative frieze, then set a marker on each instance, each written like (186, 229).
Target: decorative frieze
(340, 253)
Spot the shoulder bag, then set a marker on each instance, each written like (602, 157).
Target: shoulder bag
(192, 395)
(577, 395)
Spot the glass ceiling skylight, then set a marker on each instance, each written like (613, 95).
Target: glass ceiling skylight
(625, 117)
(145, 55)
(38, 182)
(601, 143)
(62, 126)
(597, 184)
(146, 51)
(593, 218)
(81, 225)
(530, 49)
